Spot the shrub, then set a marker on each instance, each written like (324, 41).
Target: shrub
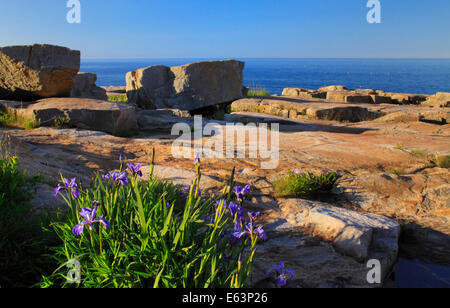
(126, 232)
(305, 185)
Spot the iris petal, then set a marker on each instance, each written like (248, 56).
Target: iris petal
(78, 229)
(86, 213)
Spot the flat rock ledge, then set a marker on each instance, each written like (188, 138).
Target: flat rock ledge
(326, 246)
(311, 108)
(110, 117)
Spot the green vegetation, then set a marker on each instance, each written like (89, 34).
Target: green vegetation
(22, 241)
(398, 171)
(443, 161)
(126, 232)
(414, 152)
(9, 119)
(62, 122)
(305, 185)
(119, 98)
(257, 91)
(418, 153)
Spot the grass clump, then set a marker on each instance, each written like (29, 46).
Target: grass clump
(12, 119)
(443, 161)
(257, 91)
(398, 171)
(118, 98)
(305, 185)
(125, 232)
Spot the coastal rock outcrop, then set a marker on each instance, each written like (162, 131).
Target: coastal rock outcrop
(37, 71)
(365, 96)
(110, 117)
(84, 87)
(188, 87)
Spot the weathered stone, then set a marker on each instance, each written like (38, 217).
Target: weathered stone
(188, 87)
(161, 118)
(83, 113)
(37, 71)
(352, 233)
(305, 93)
(332, 88)
(326, 246)
(84, 87)
(379, 99)
(405, 99)
(348, 97)
(439, 117)
(440, 99)
(301, 109)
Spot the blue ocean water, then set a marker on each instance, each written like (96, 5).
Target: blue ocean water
(422, 76)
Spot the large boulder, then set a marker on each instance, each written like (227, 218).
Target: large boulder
(188, 87)
(37, 71)
(84, 87)
(110, 117)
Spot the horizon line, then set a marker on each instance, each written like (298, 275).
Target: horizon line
(270, 58)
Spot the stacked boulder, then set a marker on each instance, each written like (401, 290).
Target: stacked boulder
(188, 87)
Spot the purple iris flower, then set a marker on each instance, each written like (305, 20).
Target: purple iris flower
(241, 232)
(135, 169)
(117, 178)
(89, 216)
(282, 274)
(240, 192)
(236, 209)
(68, 185)
(253, 215)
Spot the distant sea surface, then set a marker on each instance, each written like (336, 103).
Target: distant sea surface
(421, 76)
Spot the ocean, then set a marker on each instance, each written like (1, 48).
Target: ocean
(421, 76)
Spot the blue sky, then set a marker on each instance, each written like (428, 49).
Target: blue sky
(232, 28)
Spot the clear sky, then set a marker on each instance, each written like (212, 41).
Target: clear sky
(232, 28)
